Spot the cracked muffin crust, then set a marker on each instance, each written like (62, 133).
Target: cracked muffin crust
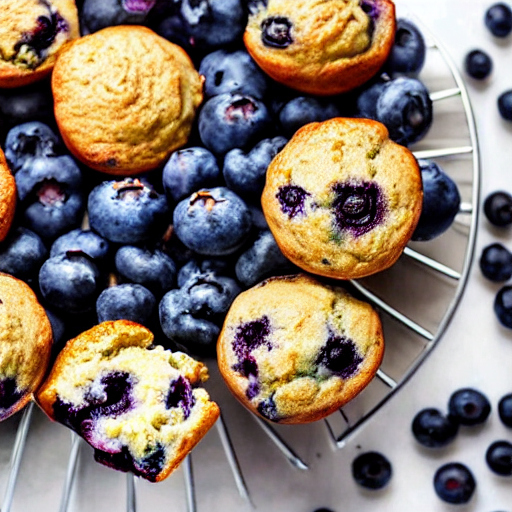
(32, 33)
(293, 349)
(125, 98)
(322, 47)
(136, 404)
(342, 199)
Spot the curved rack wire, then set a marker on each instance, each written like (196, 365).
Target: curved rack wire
(341, 426)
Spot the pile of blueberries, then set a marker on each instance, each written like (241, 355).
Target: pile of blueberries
(172, 248)
(478, 63)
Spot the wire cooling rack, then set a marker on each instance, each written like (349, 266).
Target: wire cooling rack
(42, 466)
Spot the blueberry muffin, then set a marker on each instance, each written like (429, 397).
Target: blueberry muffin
(136, 404)
(125, 98)
(293, 350)
(32, 32)
(25, 344)
(7, 197)
(321, 47)
(342, 199)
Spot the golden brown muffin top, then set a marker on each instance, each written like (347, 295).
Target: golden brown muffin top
(342, 199)
(277, 348)
(125, 98)
(32, 32)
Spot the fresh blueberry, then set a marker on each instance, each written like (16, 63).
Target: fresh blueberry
(213, 222)
(263, 259)
(50, 190)
(29, 140)
(211, 24)
(232, 72)
(469, 407)
(172, 28)
(367, 97)
(152, 268)
(441, 202)
(498, 19)
(498, 208)
(371, 470)
(58, 329)
(126, 301)
(70, 282)
(407, 55)
(505, 105)
(245, 173)
(22, 253)
(195, 268)
(405, 108)
(478, 64)
(302, 110)
(433, 429)
(188, 170)
(84, 240)
(229, 121)
(503, 306)
(454, 483)
(276, 32)
(127, 211)
(496, 262)
(505, 410)
(98, 14)
(499, 457)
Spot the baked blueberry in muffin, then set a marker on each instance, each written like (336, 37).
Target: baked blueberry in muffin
(32, 32)
(321, 47)
(342, 199)
(293, 349)
(135, 403)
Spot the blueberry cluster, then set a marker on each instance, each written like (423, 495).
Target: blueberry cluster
(496, 259)
(434, 429)
(172, 248)
(478, 63)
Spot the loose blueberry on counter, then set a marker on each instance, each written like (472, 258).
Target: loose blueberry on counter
(469, 407)
(405, 108)
(505, 410)
(478, 64)
(245, 173)
(302, 110)
(454, 483)
(498, 19)
(371, 470)
(232, 72)
(407, 55)
(498, 208)
(505, 105)
(84, 240)
(126, 211)
(188, 170)
(152, 268)
(50, 190)
(262, 260)
(503, 306)
(213, 222)
(98, 14)
(496, 262)
(22, 253)
(229, 121)
(70, 282)
(211, 24)
(367, 97)
(433, 429)
(499, 457)
(441, 202)
(126, 301)
(29, 140)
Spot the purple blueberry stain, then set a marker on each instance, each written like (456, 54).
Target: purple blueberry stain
(9, 393)
(292, 199)
(268, 409)
(358, 207)
(276, 32)
(180, 395)
(371, 8)
(339, 356)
